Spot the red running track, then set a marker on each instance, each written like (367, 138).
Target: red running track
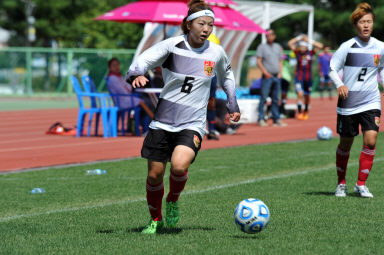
(24, 144)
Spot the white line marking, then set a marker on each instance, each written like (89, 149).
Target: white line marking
(266, 178)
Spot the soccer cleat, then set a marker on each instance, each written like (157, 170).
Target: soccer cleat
(172, 214)
(363, 190)
(341, 190)
(212, 136)
(153, 226)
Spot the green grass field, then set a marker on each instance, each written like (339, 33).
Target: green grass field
(82, 214)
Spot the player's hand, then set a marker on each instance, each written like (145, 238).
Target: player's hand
(235, 117)
(267, 75)
(342, 92)
(140, 81)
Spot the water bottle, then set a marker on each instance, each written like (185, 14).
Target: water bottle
(95, 172)
(37, 191)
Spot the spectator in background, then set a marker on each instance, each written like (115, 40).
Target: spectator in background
(117, 85)
(324, 61)
(269, 60)
(303, 75)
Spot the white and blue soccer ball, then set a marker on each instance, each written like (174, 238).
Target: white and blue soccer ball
(251, 215)
(324, 133)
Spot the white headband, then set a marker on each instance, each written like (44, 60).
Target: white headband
(200, 14)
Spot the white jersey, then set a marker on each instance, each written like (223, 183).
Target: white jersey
(361, 62)
(187, 74)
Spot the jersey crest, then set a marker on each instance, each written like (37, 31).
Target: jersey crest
(196, 141)
(209, 66)
(376, 59)
(377, 121)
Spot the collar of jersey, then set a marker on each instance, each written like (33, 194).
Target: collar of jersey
(202, 48)
(363, 44)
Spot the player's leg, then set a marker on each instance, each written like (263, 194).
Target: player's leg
(370, 121)
(299, 87)
(284, 91)
(347, 128)
(321, 86)
(307, 97)
(275, 96)
(156, 150)
(187, 145)
(264, 94)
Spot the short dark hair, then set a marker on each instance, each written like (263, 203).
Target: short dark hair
(111, 60)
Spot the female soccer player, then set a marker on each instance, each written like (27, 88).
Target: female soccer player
(359, 103)
(189, 62)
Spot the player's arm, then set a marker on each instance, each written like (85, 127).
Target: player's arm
(149, 59)
(336, 64)
(227, 79)
(294, 41)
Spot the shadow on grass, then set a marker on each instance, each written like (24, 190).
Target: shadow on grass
(320, 193)
(105, 231)
(332, 194)
(172, 231)
(246, 236)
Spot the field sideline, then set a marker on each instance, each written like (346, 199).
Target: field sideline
(82, 214)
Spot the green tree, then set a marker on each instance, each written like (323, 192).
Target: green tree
(70, 23)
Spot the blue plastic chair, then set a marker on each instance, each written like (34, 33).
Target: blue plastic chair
(99, 106)
(123, 112)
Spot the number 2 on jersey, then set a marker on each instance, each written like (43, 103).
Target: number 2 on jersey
(362, 74)
(187, 85)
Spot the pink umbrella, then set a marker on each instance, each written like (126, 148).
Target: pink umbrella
(236, 21)
(211, 2)
(173, 12)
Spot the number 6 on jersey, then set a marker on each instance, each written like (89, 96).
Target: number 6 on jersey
(187, 85)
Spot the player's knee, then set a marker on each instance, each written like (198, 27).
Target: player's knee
(179, 169)
(370, 144)
(155, 178)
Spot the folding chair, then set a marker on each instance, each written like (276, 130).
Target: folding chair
(99, 106)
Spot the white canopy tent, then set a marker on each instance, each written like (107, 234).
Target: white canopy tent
(235, 43)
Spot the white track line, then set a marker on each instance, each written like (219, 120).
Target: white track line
(218, 187)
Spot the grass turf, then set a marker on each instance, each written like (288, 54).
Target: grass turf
(82, 214)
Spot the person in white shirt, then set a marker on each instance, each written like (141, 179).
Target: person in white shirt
(189, 62)
(359, 103)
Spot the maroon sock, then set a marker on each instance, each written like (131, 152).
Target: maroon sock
(365, 164)
(341, 164)
(154, 199)
(176, 186)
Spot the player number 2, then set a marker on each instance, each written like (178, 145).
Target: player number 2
(362, 74)
(187, 85)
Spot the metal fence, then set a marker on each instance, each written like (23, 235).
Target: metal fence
(31, 71)
(27, 71)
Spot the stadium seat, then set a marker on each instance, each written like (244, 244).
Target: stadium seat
(123, 112)
(99, 106)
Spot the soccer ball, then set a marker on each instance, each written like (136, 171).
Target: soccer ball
(251, 215)
(324, 133)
